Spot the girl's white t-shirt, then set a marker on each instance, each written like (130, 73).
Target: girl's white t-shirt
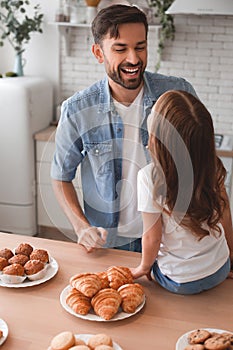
(182, 257)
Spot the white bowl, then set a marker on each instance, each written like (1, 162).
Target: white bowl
(12, 279)
(38, 275)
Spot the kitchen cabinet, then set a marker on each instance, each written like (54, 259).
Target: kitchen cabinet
(49, 213)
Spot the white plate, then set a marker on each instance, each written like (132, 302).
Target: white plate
(91, 316)
(4, 329)
(86, 337)
(183, 340)
(52, 269)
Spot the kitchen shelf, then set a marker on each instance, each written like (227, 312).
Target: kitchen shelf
(65, 29)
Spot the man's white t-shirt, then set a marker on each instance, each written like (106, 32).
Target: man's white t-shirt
(182, 257)
(133, 159)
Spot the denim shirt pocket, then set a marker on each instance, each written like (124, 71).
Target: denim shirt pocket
(100, 156)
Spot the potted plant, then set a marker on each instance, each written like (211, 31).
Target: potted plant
(16, 26)
(166, 21)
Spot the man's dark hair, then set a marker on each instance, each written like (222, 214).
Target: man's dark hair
(109, 18)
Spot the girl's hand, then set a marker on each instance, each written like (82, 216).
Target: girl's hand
(139, 271)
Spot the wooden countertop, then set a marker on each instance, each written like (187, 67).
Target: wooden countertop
(34, 314)
(48, 134)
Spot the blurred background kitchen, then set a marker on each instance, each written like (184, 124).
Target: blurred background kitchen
(59, 62)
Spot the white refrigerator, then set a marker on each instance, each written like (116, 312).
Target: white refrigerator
(26, 106)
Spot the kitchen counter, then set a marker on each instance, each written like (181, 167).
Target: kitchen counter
(48, 134)
(34, 314)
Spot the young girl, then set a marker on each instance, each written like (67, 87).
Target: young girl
(188, 238)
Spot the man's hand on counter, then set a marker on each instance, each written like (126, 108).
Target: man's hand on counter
(92, 238)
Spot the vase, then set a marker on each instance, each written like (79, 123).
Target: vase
(91, 12)
(19, 64)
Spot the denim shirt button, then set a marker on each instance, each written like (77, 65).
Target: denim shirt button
(96, 151)
(118, 129)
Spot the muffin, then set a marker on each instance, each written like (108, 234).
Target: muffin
(33, 266)
(24, 248)
(13, 274)
(18, 259)
(3, 263)
(13, 269)
(40, 254)
(6, 253)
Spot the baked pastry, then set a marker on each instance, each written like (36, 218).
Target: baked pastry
(40, 254)
(33, 266)
(104, 279)
(106, 303)
(104, 347)
(1, 333)
(78, 302)
(14, 269)
(119, 275)
(63, 341)
(6, 253)
(24, 248)
(99, 339)
(87, 283)
(132, 295)
(3, 263)
(18, 259)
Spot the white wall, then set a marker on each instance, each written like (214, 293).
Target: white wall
(202, 52)
(42, 52)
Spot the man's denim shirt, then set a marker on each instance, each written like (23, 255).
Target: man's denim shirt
(90, 132)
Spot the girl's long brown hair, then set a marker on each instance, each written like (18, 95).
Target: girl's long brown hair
(186, 166)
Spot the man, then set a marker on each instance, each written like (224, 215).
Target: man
(103, 128)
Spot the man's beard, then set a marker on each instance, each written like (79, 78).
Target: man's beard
(130, 84)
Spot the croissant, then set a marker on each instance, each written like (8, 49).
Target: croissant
(106, 303)
(132, 296)
(78, 302)
(87, 283)
(104, 279)
(119, 275)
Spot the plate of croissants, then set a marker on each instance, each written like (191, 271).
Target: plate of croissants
(109, 295)
(25, 266)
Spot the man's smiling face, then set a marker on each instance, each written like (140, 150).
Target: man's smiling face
(125, 57)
